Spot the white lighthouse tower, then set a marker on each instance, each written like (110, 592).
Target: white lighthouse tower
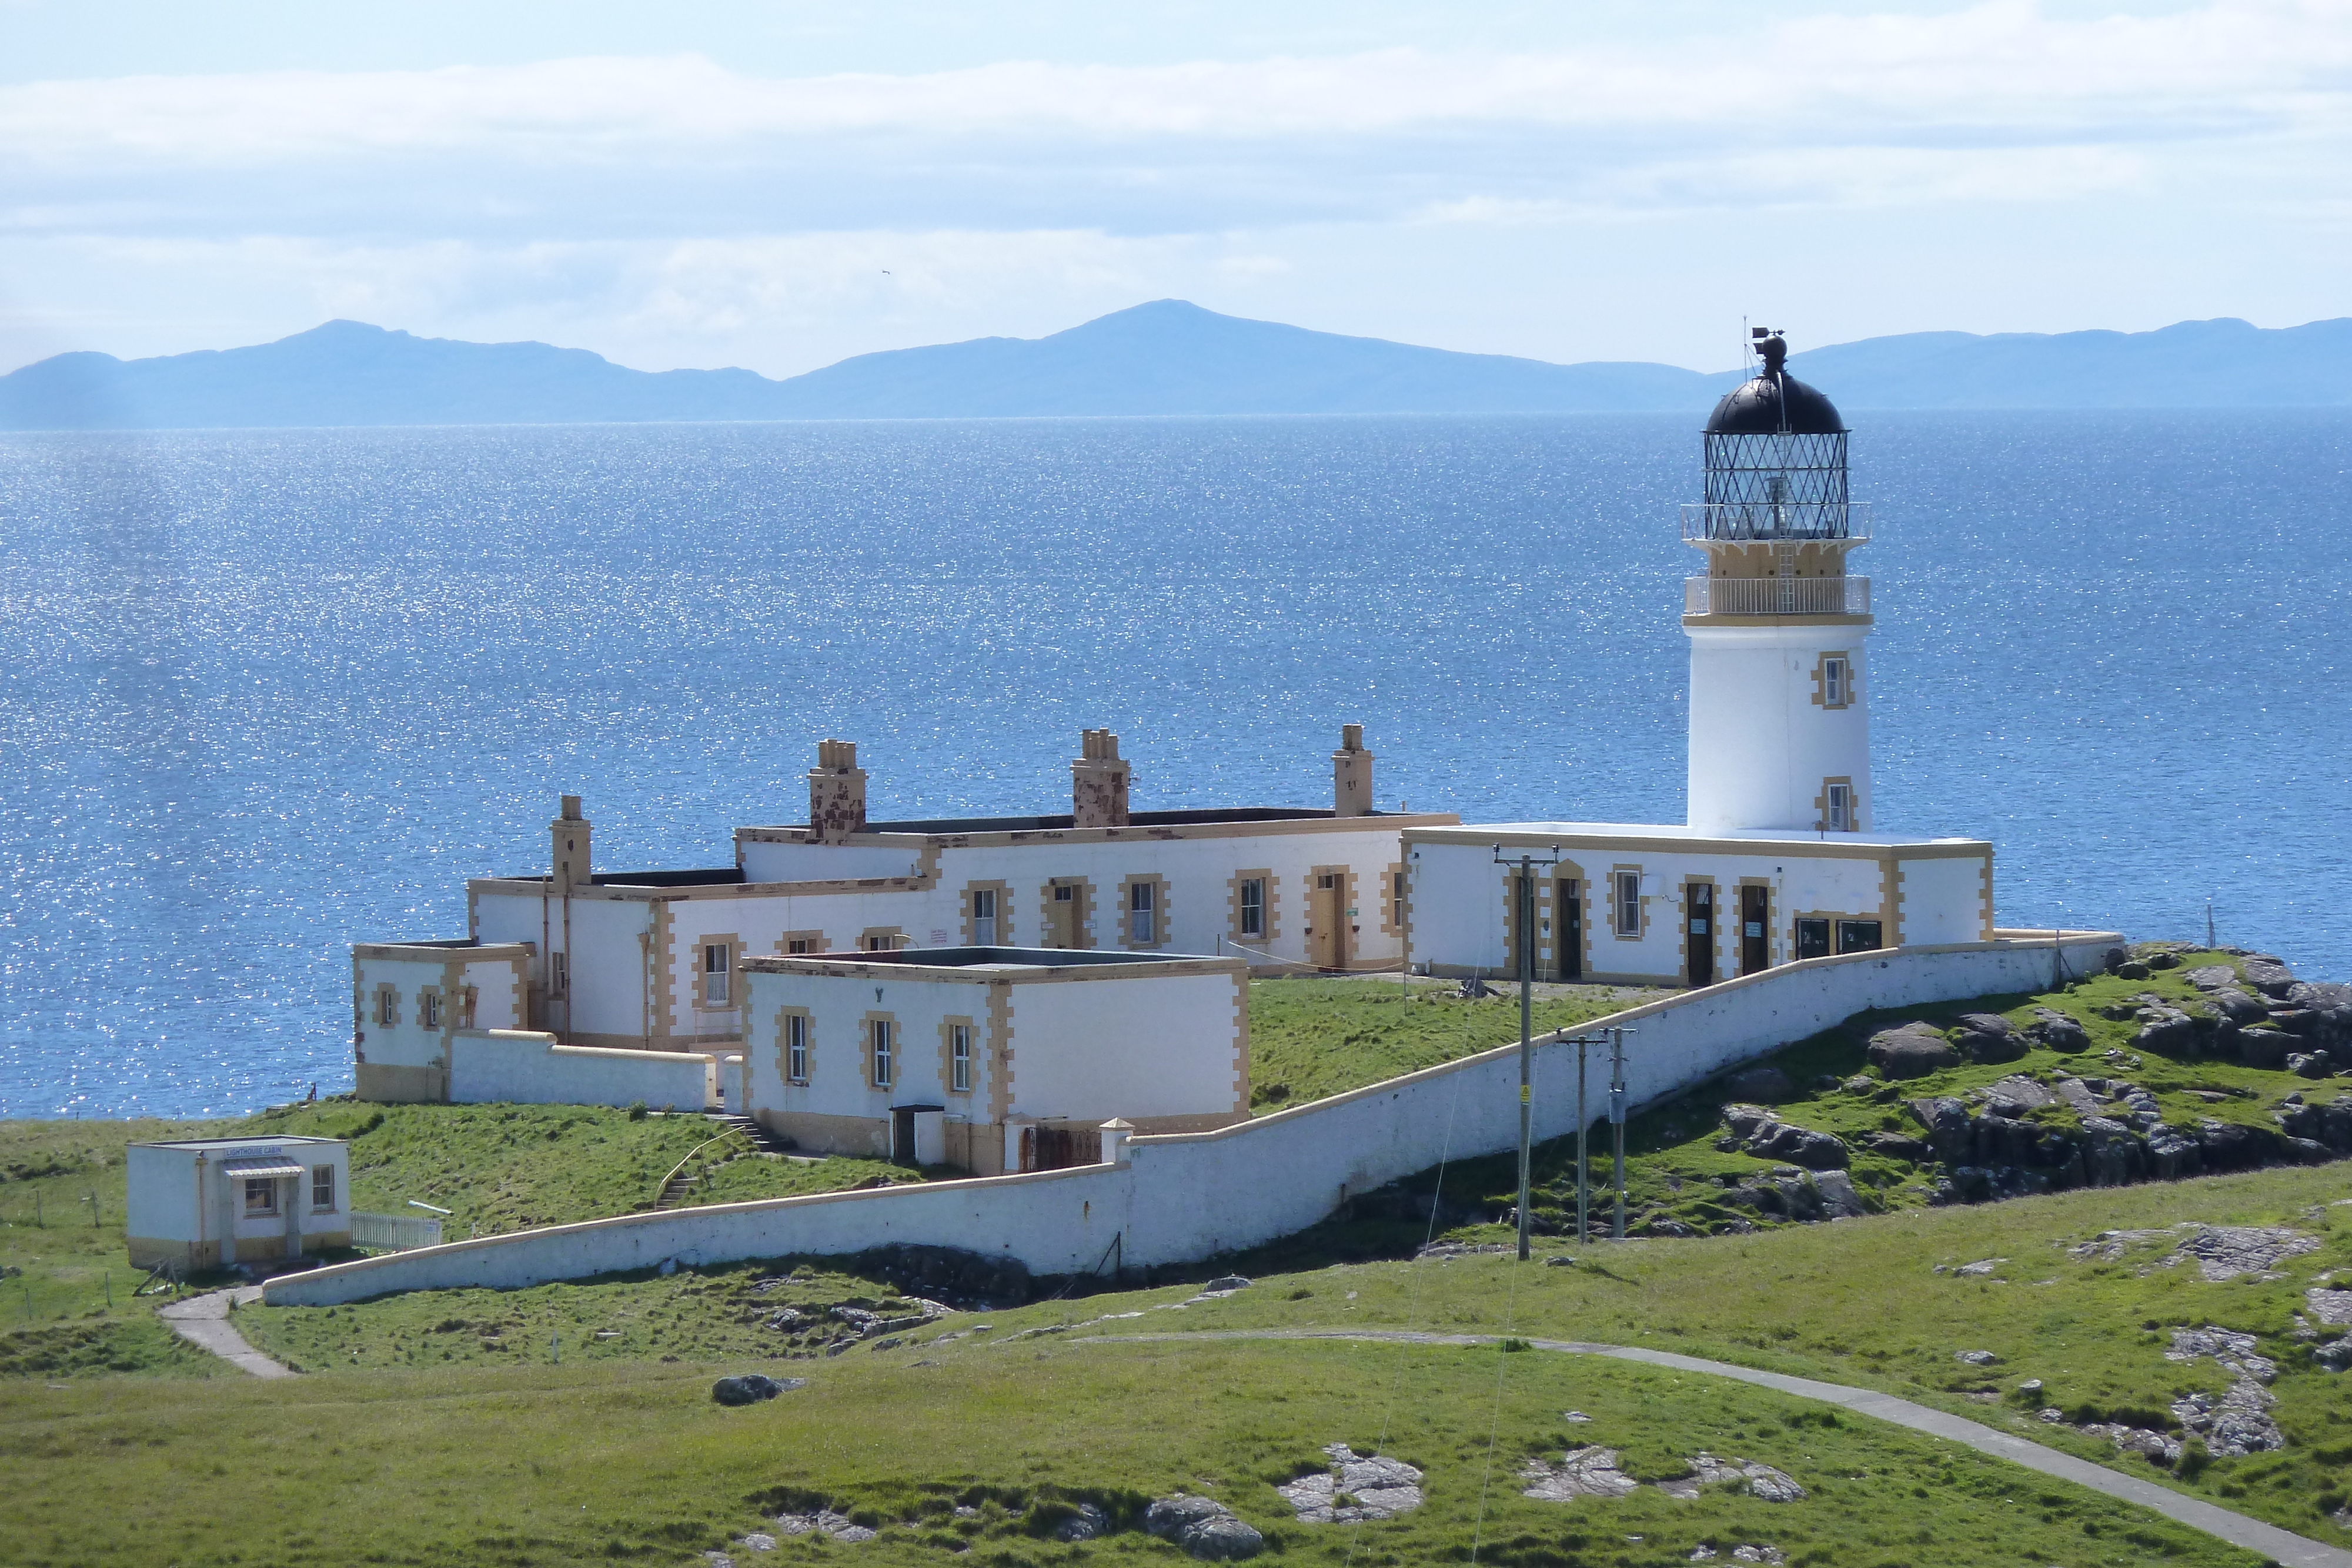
(1779, 713)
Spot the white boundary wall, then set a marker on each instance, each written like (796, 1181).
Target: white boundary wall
(500, 1066)
(1183, 1196)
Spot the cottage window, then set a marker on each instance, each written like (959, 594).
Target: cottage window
(883, 942)
(796, 1047)
(1141, 900)
(387, 1005)
(718, 980)
(882, 1032)
(429, 1008)
(1629, 903)
(261, 1194)
(983, 917)
(959, 1057)
(1254, 906)
(322, 1186)
(1839, 807)
(800, 946)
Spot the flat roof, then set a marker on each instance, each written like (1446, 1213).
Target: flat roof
(986, 960)
(265, 1142)
(1473, 833)
(1198, 815)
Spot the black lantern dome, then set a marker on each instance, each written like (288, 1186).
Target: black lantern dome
(1776, 460)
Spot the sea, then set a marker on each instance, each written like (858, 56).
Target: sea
(265, 694)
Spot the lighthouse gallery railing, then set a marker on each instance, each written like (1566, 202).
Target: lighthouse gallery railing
(1776, 596)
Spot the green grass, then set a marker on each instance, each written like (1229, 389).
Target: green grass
(1857, 1302)
(1310, 1039)
(66, 1302)
(634, 1463)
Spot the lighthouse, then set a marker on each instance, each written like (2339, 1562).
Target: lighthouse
(1780, 691)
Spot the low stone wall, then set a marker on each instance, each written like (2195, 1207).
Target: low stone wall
(500, 1066)
(1179, 1198)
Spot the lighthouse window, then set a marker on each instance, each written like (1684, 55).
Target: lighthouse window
(1629, 904)
(1833, 682)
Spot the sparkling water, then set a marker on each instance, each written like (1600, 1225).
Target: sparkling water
(268, 693)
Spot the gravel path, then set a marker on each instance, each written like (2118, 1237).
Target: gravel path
(203, 1320)
(2282, 1546)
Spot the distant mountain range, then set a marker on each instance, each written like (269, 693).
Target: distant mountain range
(1165, 358)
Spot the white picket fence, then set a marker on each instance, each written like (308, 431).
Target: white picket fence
(394, 1232)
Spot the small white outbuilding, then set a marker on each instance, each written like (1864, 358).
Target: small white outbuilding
(993, 1059)
(208, 1203)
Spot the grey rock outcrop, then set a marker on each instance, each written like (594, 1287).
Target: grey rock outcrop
(2059, 1032)
(1087, 1524)
(1204, 1527)
(1987, 1036)
(2267, 974)
(1911, 1050)
(1581, 1472)
(1763, 1482)
(751, 1387)
(2226, 1252)
(1355, 1487)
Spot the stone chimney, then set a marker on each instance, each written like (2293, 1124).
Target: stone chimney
(837, 791)
(1351, 774)
(1099, 782)
(569, 833)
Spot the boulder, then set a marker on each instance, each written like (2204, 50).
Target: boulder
(2059, 1032)
(1987, 1036)
(2311, 1064)
(1743, 1120)
(1895, 1146)
(2172, 1154)
(1946, 1121)
(1838, 1195)
(1764, 1085)
(2132, 969)
(2211, 977)
(2265, 973)
(1087, 1524)
(2168, 1032)
(2237, 1006)
(2112, 1154)
(2229, 1148)
(1202, 1527)
(2114, 959)
(751, 1387)
(1797, 1146)
(1912, 1051)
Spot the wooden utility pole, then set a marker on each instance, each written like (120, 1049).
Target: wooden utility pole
(1523, 923)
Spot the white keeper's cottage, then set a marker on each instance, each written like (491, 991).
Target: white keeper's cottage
(1777, 860)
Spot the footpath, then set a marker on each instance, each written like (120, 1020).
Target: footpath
(203, 1320)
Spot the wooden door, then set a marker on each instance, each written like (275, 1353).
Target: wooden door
(1062, 915)
(1567, 929)
(1698, 904)
(1755, 920)
(1326, 946)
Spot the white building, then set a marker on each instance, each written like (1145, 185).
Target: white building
(1777, 861)
(654, 960)
(206, 1203)
(993, 1059)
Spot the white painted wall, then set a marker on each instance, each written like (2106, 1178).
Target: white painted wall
(1166, 1045)
(411, 971)
(1760, 746)
(1461, 907)
(1193, 1195)
(511, 1067)
(837, 1006)
(1944, 900)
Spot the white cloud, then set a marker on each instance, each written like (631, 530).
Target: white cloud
(2005, 66)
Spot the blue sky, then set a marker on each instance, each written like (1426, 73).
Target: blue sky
(781, 185)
